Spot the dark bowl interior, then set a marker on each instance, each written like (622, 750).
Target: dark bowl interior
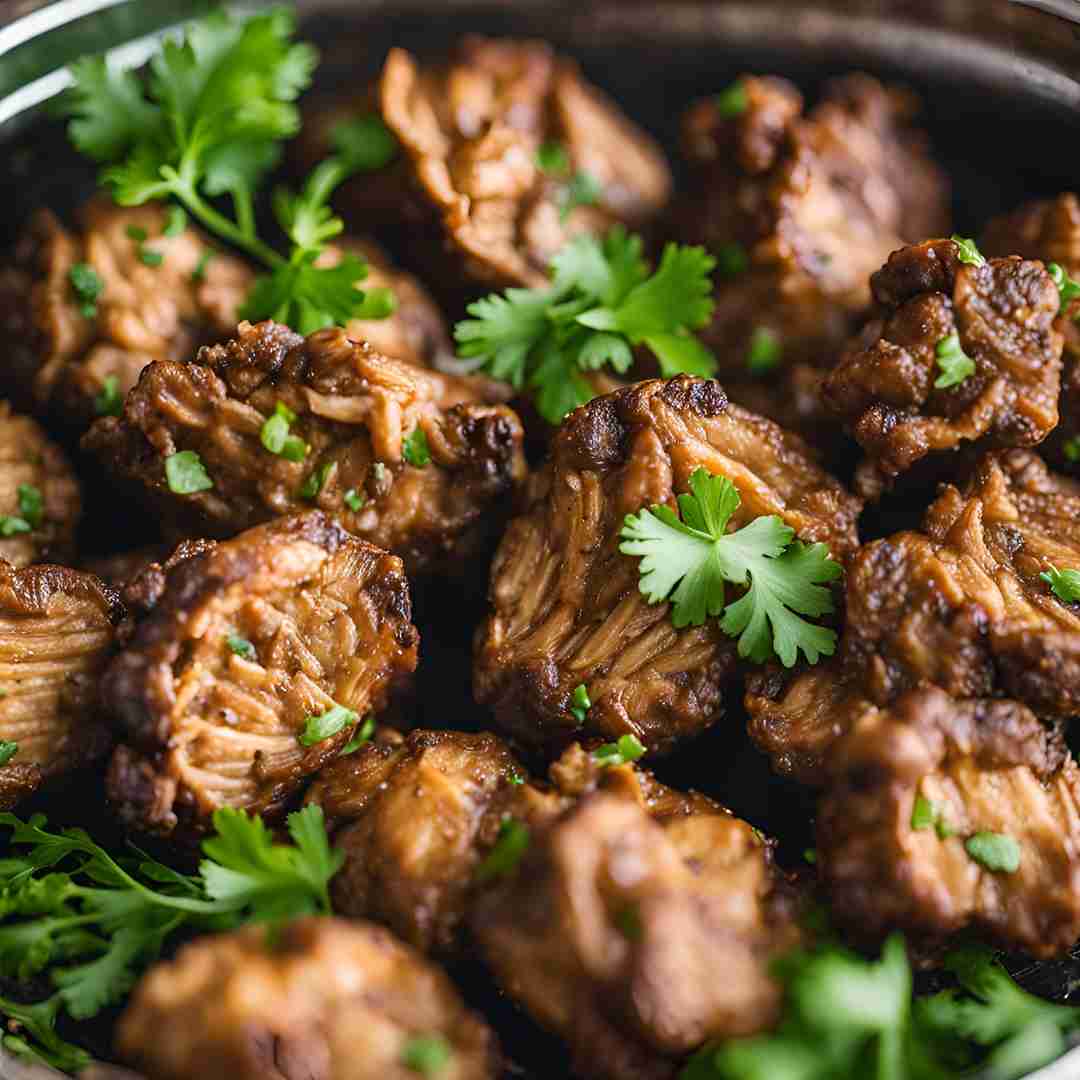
(1003, 125)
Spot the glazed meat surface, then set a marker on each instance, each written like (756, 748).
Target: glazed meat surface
(1050, 230)
(40, 501)
(811, 203)
(567, 609)
(61, 355)
(241, 643)
(329, 1000)
(412, 460)
(910, 786)
(469, 180)
(889, 385)
(960, 605)
(637, 939)
(58, 628)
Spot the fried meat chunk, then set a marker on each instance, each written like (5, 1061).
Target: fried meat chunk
(58, 629)
(567, 608)
(40, 501)
(800, 208)
(86, 309)
(637, 939)
(410, 459)
(961, 353)
(506, 153)
(325, 998)
(942, 815)
(241, 643)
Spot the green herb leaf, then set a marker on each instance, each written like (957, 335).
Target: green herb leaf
(1068, 288)
(185, 473)
(31, 504)
(10, 525)
(241, 646)
(175, 221)
(626, 749)
(764, 352)
(583, 189)
(150, 257)
(955, 364)
(427, 1055)
(275, 437)
(314, 483)
(362, 736)
(968, 252)
(416, 450)
(510, 845)
(928, 815)
(733, 101)
(580, 703)
(366, 143)
(109, 401)
(1065, 584)
(552, 158)
(7, 751)
(354, 500)
(995, 851)
(1071, 449)
(136, 233)
(87, 287)
(327, 724)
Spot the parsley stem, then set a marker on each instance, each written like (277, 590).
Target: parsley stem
(245, 211)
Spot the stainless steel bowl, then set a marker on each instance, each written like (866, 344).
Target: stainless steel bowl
(1001, 78)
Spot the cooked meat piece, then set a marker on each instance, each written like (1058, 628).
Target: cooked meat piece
(814, 202)
(909, 786)
(125, 566)
(468, 179)
(959, 604)
(57, 631)
(323, 999)
(637, 940)
(1002, 314)
(243, 642)
(567, 606)
(1050, 230)
(359, 414)
(419, 815)
(60, 356)
(40, 501)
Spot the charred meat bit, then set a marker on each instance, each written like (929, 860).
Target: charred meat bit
(40, 501)
(58, 628)
(800, 208)
(910, 786)
(410, 459)
(320, 998)
(568, 610)
(615, 926)
(959, 354)
(241, 644)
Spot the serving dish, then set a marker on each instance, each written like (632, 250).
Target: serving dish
(984, 67)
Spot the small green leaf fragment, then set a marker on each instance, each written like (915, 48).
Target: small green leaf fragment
(968, 251)
(175, 220)
(354, 500)
(362, 735)
(583, 189)
(733, 101)
(327, 724)
(31, 504)
(552, 158)
(1065, 584)
(955, 364)
(314, 484)
(241, 646)
(87, 287)
(1071, 449)
(7, 751)
(764, 351)
(580, 703)
(150, 257)
(427, 1055)
(996, 851)
(416, 450)
(10, 525)
(625, 750)
(136, 233)
(365, 143)
(186, 474)
(510, 845)
(109, 401)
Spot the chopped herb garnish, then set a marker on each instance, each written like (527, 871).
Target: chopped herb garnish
(275, 436)
(109, 401)
(733, 101)
(427, 1055)
(510, 846)
(1071, 449)
(175, 221)
(1068, 288)
(810, 855)
(580, 703)
(326, 724)
(732, 260)
(136, 233)
(354, 500)
(150, 257)
(186, 474)
(955, 364)
(31, 504)
(764, 352)
(995, 851)
(366, 141)
(968, 251)
(416, 450)
(10, 525)
(1065, 584)
(552, 158)
(241, 646)
(199, 273)
(516, 778)
(311, 487)
(582, 189)
(687, 562)
(7, 751)
(626, 749)
(928, 815)
(361, 736)
(87, 287)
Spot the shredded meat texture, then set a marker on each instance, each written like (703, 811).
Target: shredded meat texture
(1002, 314)
(909, 785)
(59, 355)
(567, 608)
(58, 629)
(241, 642)
(362, 416)
(815, 201)
(327, 1000)
(32, 467)
(1050, 230)
(636, 939)
(469, 181)
(123, 567)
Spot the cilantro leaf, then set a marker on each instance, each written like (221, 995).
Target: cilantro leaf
(733, 101)
(327, 724)
(1068, 288)
(627, 748)
(580, 704)
(365, 142)
(7, 751)
(1065, 584)
(361, 736)
(185, 473)
(928, 815)
(968, 251)
(415, 449)
(955, 364)
(87, 287)
(427, 1055)
(997, 852)
(690, 561)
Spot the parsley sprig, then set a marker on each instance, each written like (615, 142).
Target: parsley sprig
(690, 561)
(207, 123)
(602, 301)
(89, 921)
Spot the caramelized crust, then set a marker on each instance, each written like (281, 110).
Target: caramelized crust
(205, 724)
(355, 410)
(567, 608)
(322, 998)
(58, 628)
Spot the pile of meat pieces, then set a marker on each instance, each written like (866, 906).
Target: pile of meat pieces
(602, 901)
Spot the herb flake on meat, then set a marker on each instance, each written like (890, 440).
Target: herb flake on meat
(955, 364)
(627, 748)
(968, 251)
(996, 851)
(186, 474)
(1065, 584)
(510, 846)
(327, 724)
